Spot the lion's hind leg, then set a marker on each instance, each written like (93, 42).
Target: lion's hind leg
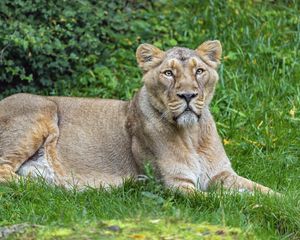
(27, 123)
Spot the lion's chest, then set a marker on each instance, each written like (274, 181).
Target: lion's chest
(172, 159)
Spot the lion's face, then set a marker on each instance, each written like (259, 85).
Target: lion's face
(180, 81)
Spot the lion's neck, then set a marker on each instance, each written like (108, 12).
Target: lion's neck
(147, 106)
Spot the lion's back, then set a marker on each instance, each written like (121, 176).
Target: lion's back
(93, 136)
(92, 145)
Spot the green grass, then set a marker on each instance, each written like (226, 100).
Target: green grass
(136, 229)
(257, 110)
(54, 208)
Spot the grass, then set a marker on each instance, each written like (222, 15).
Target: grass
(56, 209)
(256, 108)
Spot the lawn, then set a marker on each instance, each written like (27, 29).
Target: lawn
(257, 110)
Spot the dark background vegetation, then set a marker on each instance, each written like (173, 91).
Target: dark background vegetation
(87, 48)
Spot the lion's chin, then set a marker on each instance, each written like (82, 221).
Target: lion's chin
(187, 119)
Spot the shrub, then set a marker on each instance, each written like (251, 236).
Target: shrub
(86, 47)
(62, 47)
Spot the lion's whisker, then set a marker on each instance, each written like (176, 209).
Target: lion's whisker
(173, 104)
(175, 108)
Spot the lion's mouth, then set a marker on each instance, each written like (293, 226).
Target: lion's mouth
(189, 112)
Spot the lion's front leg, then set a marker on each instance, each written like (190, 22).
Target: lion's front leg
(179, 174)
(180, 183)
(219, 170)
(231, 181)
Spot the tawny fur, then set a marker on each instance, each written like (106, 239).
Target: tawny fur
(94, 142)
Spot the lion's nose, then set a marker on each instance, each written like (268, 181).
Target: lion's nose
(187, 96)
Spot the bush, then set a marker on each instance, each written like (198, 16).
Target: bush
(54, 46)
(86, 48)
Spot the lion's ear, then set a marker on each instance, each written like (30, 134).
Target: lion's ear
(148, 56)
(210, 52)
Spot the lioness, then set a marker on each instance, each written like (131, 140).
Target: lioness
(94, 142)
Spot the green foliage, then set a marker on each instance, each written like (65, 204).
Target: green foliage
(70, 47)
(53, 46)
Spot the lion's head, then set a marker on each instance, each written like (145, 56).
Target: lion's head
(180, 82)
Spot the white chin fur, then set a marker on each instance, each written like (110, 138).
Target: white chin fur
(187, 119)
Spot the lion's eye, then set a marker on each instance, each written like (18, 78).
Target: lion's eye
(199, 71)
(168, 73)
